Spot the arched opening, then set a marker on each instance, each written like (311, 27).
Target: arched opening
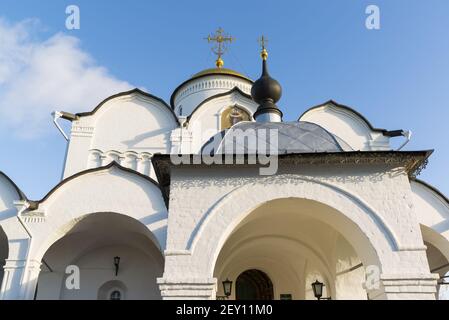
(115, 295)
(296, 242)
(4, 251)
(438, 263)
(253, 284)
(112, 290)
(438, 258)
(112, 252)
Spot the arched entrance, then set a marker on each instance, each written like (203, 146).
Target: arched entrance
(253, 285)
(287, 239)
(114, 257)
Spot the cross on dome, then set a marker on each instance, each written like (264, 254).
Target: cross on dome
(262, 41)
(220, 47)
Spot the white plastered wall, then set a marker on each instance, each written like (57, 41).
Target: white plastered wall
(375, 207)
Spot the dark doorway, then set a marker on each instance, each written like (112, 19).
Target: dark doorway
(253, 285)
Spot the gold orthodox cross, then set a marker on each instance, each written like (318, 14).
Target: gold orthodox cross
(220, 47)
(264, 53)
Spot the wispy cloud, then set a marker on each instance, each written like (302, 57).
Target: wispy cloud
(37, 77)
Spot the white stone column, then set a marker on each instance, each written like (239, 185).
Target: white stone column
(78, 147)
(183, 281)
(94, 159)
(188, 289)
(144, 165)
(19, 280)
(176, 141)
(12, 279)
(29, 281)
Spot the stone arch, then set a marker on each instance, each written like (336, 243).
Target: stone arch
(64, 229)
(352, 217)
(111, 188)
(437, 240)
(431, 207)
(437, 253)
(91, 243)
(257, 279)
(432, 211)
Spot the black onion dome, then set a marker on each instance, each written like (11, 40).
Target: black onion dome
(266, 88)
(266, 91)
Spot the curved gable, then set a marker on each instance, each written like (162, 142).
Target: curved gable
(347, 109)
(132, 120)
(127, 93)
(431, 206)
(108, 189)
(9, 192)
(108, 169)
(347, 125)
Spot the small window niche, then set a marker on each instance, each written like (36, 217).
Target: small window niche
(232, 115)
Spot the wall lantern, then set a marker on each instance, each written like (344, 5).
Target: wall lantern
(227, 287)
(116, 264)
(317, 288)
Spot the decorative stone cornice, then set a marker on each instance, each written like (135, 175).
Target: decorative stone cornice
(412, 162)
(82, 131)
(33, 216)
(26, 211)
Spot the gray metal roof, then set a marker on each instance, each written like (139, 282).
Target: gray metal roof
(280, 138)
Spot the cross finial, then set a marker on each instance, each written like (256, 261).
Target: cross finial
(262, 41)
(220, 47)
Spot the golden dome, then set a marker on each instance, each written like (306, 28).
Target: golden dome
(218, 71)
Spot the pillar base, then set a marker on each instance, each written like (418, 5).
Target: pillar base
(405, 287)
(187, 289)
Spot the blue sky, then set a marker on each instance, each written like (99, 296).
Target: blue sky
(397, 77)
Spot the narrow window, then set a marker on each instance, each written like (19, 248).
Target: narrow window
(115, 295)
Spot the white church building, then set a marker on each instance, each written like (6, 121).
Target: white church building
(142, 212)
